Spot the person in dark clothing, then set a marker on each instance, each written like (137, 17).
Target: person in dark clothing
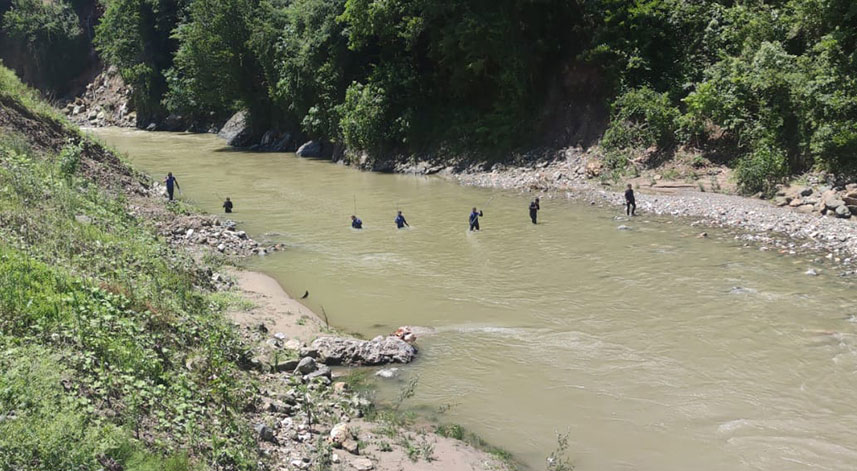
(400, 221)
(630, 202)
(534, 210)
(356, 223)
(227, 205)
(171, 182)
(474, 219)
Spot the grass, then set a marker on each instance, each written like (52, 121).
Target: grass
(106, 340)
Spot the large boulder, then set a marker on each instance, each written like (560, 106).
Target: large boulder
(275, 141)
(348, 351)
(236, 131)
(314, 149)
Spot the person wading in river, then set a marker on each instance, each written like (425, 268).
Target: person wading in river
(227, 205)
(356, 223)
(474, 219)
(630, 202)
(171, 182)
(400, 221)
(534, 210)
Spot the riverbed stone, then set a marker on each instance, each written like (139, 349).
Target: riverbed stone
(362, 464)
(265, 433)
(843, 212)
(310, 149)
(321, 371)
(339, 434)
(306, 366)
(349, 351)
(388, 373)
(287, 366)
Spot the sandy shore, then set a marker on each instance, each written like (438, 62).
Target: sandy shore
(282, 314)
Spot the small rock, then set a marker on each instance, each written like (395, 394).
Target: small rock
(280, 336)
(351, 446)
(306, 366)
(287, 366)
(265, 433)
(340, 387)
(334, 458)
(702, 235)
(83, 219)
(843, 212)
(810, 272)
(388, 373)
(624, 228)
(322, 372)
(293, 344)
(300, 464)
(339, 434)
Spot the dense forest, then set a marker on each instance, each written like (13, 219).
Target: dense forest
(767, 86)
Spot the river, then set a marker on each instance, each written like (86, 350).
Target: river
(654, 349)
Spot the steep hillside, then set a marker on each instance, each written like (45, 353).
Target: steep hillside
(111, 356)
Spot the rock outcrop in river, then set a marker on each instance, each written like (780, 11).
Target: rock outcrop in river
(349, 351)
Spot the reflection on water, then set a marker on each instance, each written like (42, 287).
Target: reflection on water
(654, 349)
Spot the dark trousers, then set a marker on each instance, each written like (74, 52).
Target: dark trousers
(170, 193)
(533, 215)
(474, 226)
(630, 208)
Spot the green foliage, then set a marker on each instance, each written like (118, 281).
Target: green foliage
(214, 69)
(367, 121)
(762, 170)
(105, 340)
(136, 36)
(405, 76)
(641, 118)
(50, 35)
(70, 158)
(314, 66)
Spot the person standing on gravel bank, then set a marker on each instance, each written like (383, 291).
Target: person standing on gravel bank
(630, 202)
(171, 182)
(534, 210)
(227, 205)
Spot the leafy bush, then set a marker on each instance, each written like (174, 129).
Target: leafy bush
(70, 158)
(762, 170)
(367, 122)
(642, 118)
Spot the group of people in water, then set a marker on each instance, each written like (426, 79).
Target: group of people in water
(356, 223)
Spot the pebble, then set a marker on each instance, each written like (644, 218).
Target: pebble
(362, 464)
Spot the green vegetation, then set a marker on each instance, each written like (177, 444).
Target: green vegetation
(47, 37)
(770, 84)
(111, 357)
(766, 86)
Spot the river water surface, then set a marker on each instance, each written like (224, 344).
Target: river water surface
(654, 349)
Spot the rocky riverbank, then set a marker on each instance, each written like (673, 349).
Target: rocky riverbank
(310, 416)
(814, 218)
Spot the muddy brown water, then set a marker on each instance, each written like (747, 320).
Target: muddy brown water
(655, 350)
